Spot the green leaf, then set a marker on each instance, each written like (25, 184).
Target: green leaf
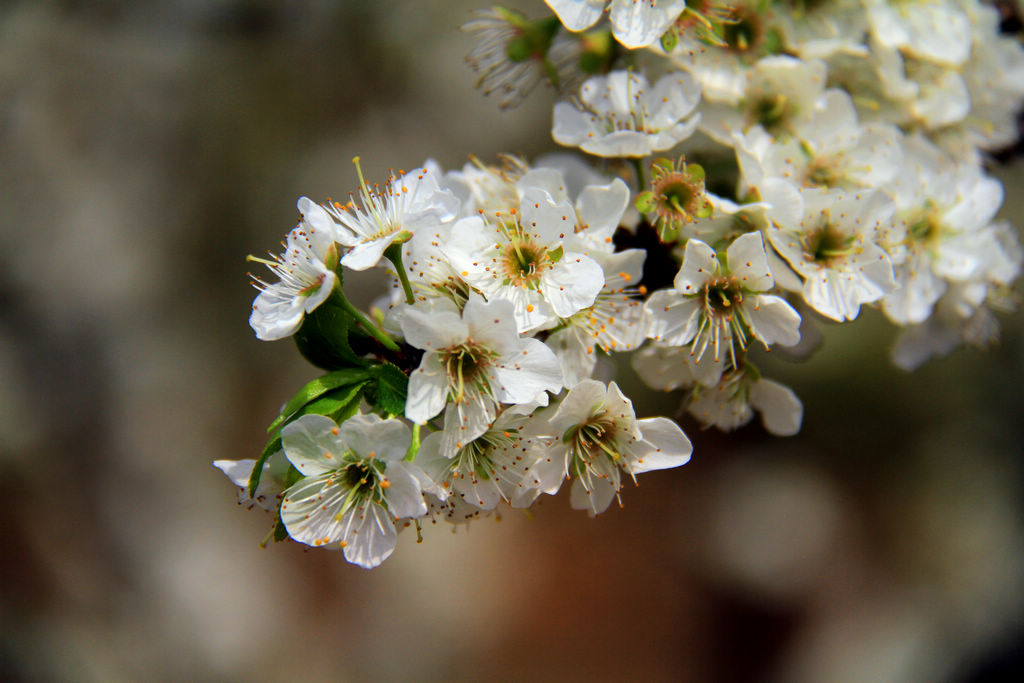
(389, 390)
(334, 404)
(317, 388)
(323, 338)
(257, 470)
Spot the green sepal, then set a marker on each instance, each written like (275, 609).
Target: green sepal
(752, 372)
(257, 469)
(388, 390)
(519, 49)
(555, 255)
(706, 210)
(662, 164)
(317, 388)
(646, 202)
(598, 53)
(695, 171)
(773, 42)
(280, 532)
(668, 232)
(323, 339)
(669, 40)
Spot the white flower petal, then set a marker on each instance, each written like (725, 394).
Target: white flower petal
(428, 389)
(531, 370)
(369, 534)
(369, 436)
(404, 495)
(748, 261)
(773, 320)
(664, 445)
(781, 410)
(313, 444)
(309, 509)
(699, 266)
(671, 317)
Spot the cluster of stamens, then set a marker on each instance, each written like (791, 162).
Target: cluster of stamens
(826, 245)
(466, 366)
(677, 196)
(523, 261)
(723, 320)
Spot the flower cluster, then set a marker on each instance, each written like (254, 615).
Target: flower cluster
(825, 157)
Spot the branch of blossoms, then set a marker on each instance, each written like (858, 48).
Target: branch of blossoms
(755, 170)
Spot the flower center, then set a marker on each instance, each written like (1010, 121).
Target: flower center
(466, 365)
(474, 459)
(360, 477)
(743, 31)
(720, 296)
(925, 228)
(364, 480)
(523, 259)
(826, 245)
(772, 112)
(590, 439)
(821, 173)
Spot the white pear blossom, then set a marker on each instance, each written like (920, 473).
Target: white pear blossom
(667, 368)
(410, 201)
(947, 209)
(268, 493)
(491, 468)
(731, 403)
(934, 30)
(635, 23)
(622, 115)
(522, 257)
(994, 76)
(780, 93)
(720, 303)
(835, 249)
(597, 437)
(355, 485)
(476, 360)
(613, 323)
(831, 149)
(306, 272)
(509, 63)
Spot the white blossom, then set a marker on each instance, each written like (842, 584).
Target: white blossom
(597, 437)
(522, 257)
(731, 403)
(717, 302)
(306, 276)
(622, 115)
(834, 248)
(635, 23)
(476, 360)
(354, 485)
(410, 201)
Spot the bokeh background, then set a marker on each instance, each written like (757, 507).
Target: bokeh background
(147, 147)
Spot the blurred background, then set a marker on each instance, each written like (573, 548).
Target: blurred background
(147, 147)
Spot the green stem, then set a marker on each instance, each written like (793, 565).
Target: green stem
(414, 447)
(364, 322)
(639, 168)
(394, 254)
